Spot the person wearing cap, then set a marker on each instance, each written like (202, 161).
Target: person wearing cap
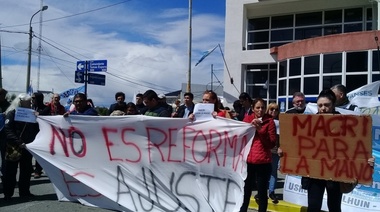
(154, 107)
(162, 100)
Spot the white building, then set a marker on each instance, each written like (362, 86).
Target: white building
(276, 47)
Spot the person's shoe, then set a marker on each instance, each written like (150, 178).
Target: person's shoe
(256, 197)
(37, 175)
(273, 197)
(28, 195)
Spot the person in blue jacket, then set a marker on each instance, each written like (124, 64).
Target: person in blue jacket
(81, 106)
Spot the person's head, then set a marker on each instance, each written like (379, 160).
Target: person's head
(139, 99)
(37, 99)
(273, 110)
(55, 99)
(121, 106)
(188, 98)
(80, 102)
(131, 109)
(3, 94)
(245, 100)
(119, 97)
(161, 98)
(340, 92)
(326, 101)
(237, 106)
(177, 102)
(211, 98)
(22, 100)
(258, 107)
(150, 99)
(299, 101)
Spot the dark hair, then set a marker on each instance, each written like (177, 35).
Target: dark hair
(3, 91)
(80, 95)
(119, 94)
(258, 99)
(139, 95)
(39, 99)
(150, 94)
(340, 88)
(132, 105)
(122, 106)
(245, 96)
(213, 96)
(191, 95)
(329, 94)
(237, 106)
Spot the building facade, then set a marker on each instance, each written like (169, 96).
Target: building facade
(274, 48)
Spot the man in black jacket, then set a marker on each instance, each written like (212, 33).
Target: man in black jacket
(187, 108)
(119, 97)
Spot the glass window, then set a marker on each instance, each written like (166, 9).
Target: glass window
(333, 16)
(352, 15)
(357, 61)
(278, 44)
(258, 46)
(282, 21)
(309, 32)
(332, 63)
(335, 29)
(311, 85)
(353, 27)
(294, 85)
(257, 77)
(295, 67)
(282, 87)
(257, 37)
(272, 92)
(283, 69)
(329, 81)
(273, 77)
(282, 35)
(369, 26)
(376, 77)
(257, 91)
(258, 23)
(376, 61)
(369, 14)
(307, 19)
(355, 81)
(311, 65)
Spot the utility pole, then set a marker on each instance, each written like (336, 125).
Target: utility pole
(189, 47)
(39, 50)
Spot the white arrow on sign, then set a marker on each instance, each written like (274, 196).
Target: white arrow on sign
(79, 77)
(80, 66)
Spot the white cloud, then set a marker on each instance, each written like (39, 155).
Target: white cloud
(144, 50)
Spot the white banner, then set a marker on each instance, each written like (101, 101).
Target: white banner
(140, 163)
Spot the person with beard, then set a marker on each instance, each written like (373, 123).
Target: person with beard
(41, 109)
(299, 103)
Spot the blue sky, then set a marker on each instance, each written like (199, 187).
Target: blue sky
(144, 41)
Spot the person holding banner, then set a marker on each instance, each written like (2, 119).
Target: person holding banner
(18, 133)
(211, 97)
(259, 160)
(316, 187)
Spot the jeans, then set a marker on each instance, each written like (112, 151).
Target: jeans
(315, 191)
(273, 176)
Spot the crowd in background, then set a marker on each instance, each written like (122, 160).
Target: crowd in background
(262, 160)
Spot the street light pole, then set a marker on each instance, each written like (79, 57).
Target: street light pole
(30, 48)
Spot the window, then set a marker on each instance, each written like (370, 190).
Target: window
(353, 15)
(282, 88)
(329, 81)
(258, 23)
(281, 35)
(257, 77)
(357, 62)
(333, 16)
(283, 69)
(311, 85)
(332, 63)
(284, 21)
(309, 32)
(295, 67)
(307, 19)
(294, 85)
(311, 65)
(355, 81)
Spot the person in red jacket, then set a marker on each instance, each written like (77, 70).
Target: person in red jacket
(259, 160)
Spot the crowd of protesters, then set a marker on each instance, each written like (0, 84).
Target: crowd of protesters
(262, 160)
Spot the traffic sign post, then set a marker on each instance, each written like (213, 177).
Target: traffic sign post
(82, 74)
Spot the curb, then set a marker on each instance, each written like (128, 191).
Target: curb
(281, 206)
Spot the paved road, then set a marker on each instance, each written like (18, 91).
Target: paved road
(45, 201)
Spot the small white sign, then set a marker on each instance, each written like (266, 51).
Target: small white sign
(203, 111)
(25, 115)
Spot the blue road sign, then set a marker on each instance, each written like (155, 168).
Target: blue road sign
(96, 79)
(79, 77)
(93, 65)
(81, 66)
